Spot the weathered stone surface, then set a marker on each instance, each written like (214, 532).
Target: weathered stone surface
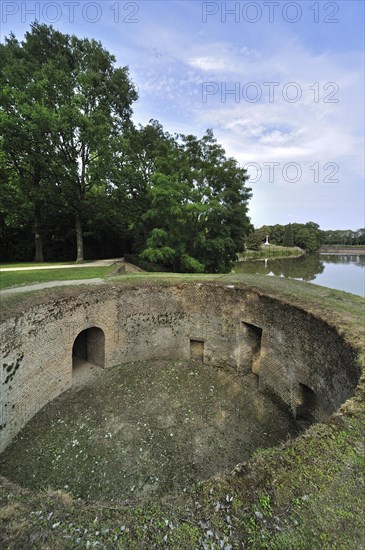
(298, 358)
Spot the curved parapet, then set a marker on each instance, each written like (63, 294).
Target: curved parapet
(298, 358)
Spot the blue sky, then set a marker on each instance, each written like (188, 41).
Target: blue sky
(281, 84)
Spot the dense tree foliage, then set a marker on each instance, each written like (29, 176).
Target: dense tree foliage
(254, 240)
(288, 237)
(62, 104)
(78, 176)
(307, 236)
(344, 237)
(27, 120)
(197, 218)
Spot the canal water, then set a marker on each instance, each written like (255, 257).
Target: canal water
(340, 271)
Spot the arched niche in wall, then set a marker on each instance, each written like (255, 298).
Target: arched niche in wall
(89, 346)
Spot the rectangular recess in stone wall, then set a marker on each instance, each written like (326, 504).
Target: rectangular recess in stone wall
(306, 403)
(197, 350)
(250, 346)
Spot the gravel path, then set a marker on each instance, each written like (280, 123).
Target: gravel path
(49, 284)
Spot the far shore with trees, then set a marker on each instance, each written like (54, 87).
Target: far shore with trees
(295, 237)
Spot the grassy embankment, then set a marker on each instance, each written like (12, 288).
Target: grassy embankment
(59, 272)
(10, 279)
(307, 493)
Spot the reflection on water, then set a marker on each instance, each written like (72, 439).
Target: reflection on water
(340, 271)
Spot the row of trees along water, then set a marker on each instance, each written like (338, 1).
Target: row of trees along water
(78, 178)
(307, 236)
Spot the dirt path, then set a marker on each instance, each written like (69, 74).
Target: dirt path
(49, 284)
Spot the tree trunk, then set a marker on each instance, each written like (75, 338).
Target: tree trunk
(38, 237)
(79, 238)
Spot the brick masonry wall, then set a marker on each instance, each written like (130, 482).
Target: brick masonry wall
(239, 329)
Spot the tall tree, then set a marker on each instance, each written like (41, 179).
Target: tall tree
(198, 215)
(62, 105)
(31, 77)
(97, 110)
(220, 187)
(139, 154)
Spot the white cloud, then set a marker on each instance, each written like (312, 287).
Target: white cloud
(309, 131)
(210, 63)
(275, 137)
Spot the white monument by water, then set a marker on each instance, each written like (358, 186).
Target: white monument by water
(267, 240)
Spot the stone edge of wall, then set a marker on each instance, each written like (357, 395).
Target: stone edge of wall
(116, 291)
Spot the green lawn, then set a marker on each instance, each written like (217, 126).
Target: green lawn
(20, 278)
